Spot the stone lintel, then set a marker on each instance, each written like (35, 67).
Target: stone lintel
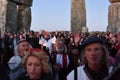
(23, 2)
(114, 1)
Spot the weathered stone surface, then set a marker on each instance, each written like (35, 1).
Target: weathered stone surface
(3, 8)
(78, 15)
(18, 17)
(23, 2)
(113, 1)
(114, 18)
(11, 17)
(24, 18)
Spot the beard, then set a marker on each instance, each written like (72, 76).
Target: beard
(59, 50)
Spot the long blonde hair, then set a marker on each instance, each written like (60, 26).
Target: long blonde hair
(42, 57)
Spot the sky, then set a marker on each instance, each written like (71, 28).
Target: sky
(52, 15)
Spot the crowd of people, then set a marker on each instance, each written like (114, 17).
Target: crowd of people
(59, 55)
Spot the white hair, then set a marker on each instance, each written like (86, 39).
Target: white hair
(16, 53)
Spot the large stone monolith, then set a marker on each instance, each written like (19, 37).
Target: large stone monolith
(24, 18)
(78, 15)
(114, 16)
(3, 9)
(18, 15)
(11, 17)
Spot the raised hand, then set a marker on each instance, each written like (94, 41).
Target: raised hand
(77, 37)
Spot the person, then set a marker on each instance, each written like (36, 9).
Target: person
(15, 62)
(60, 60)
(94, 63)
(115, 75)
(33, 38)
(75, 51)
(36, 66)
(46, 40)
(117, 56)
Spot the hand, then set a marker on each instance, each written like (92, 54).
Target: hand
(75, 52)
(41, 32)
(77, 38)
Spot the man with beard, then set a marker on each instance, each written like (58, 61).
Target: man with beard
(60, 60)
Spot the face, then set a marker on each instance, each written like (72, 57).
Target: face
(113, 40)
(23, 47)
(59, 46)
(93, 54)
(47, 36)
(33, 66)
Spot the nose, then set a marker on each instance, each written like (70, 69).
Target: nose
(26, 48)
(93, 52)
(32, 68)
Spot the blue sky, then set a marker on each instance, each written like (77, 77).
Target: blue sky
(54, 15)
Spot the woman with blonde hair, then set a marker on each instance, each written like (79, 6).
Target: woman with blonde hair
(36, 66)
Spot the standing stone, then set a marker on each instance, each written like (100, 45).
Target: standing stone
(18, 15)
(11, 17)
(78, 15)
(114, 17)
(24, 18)
(3, 9)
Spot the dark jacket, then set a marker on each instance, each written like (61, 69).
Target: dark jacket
(3, 72)
(115, 75)
(24, 76)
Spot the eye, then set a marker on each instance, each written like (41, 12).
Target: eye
(27, 45)
(88, 49)
(37, 64)
(97, 49)
(29, 64)
(22, 45)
